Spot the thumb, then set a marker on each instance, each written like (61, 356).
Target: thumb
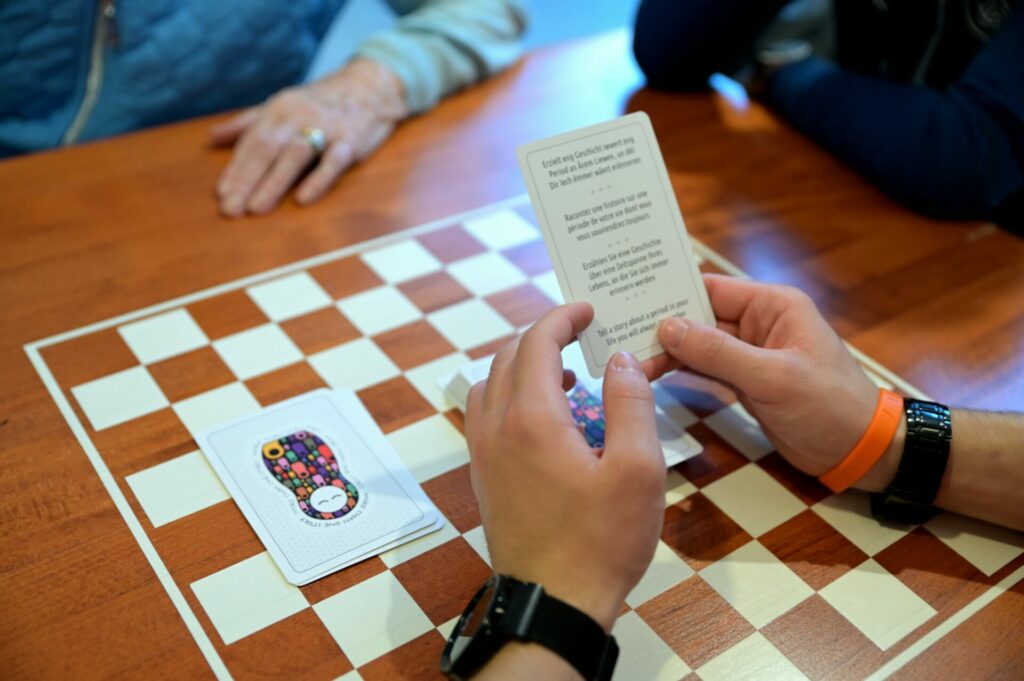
(227, 132)
(630, 428)
(718, 354)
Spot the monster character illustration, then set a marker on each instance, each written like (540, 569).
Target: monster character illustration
(588, 412)
(306, 466)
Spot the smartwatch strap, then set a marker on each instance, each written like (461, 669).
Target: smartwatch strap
(925, 456)
(575, 637)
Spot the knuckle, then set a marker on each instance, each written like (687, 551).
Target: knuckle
(633, 390)
(713, 348)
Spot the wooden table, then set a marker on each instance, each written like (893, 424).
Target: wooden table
(110, 227)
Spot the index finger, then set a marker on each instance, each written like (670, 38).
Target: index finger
(538, 360)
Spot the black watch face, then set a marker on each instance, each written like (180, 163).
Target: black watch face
(469, 624)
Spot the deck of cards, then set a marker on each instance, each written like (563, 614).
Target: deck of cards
(615, 235)
(319, 483)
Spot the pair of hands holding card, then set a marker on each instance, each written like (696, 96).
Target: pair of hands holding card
(585, 524)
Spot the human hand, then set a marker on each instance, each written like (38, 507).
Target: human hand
(356, 108)
(789, 368)
(582, 523)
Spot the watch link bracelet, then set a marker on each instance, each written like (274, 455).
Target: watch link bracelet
(925, 455)
(506, 609)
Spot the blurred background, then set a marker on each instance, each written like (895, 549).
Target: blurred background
(553, 21)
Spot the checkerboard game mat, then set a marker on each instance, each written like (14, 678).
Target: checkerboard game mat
(760, 571)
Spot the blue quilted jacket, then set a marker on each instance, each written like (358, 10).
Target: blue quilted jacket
(73, 70)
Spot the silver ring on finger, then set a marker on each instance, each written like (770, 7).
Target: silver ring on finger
(315, 137)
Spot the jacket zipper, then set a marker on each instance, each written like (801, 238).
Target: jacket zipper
(104, 34)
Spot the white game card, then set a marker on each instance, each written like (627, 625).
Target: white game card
(319, 483)
(615, 235)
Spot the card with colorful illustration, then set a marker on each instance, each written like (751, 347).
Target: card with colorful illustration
(319, 483)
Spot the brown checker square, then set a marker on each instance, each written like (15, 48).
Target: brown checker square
(418, 659)
(444, 579)
(813, 549)
(281, 384)
(521, 305)
(700, 532)
(188, 375)
(932, 570)
(805, 487)
(88, 357)
(488, 349)
(434, 291)
(451, 244)
(718, 459)
(452, 493)
(337, 582)
(298, 646)
(457, 419)
(703, 396)
(143, 442)
(413, 344)
(395, 404)
(531, 258)
(695, 621)
(822, 643)
(205, 542)
(320, 330)
(226, 314)
(345, 277)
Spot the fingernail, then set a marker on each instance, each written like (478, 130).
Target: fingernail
(623, 361)
(672, 332)
(232, 206)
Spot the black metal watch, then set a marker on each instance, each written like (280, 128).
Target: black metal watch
(925, 455)
(506, 609)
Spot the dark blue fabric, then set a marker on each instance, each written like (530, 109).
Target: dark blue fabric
(954, 153)
(172, 59)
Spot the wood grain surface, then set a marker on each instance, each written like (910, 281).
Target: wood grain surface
(106, 228)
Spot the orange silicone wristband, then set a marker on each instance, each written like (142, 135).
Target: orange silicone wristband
(870, 447)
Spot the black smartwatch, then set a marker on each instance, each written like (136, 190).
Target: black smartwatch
(506, 609)
(925, 455)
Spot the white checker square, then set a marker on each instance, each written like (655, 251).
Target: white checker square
(878, 603)
(353, 365)
(502, 229)
(372, 618)
(985, 546)
(405, 260)
(486, 273)
(352, 675)
(548, 285)
(446, 628)
(378, 310)
(165, 335)
(256, 351)
(430, 447)
(677, 413)
(248, 596)
(756, 583)
(177, 488)
(425, 377)
(850, 514)
(754, 499)
(752, 659)
(469, 324)
(736, 426)
(665, 571)
(477, 540)
(642, 653)
(118, 398)
(214, 406)
(289, 297)
(417, 547)
(677, 487)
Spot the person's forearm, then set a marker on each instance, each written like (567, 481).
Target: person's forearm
(985, 474)
(526, 662)
(679, 44)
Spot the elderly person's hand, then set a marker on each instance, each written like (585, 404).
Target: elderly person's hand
(348, 113)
